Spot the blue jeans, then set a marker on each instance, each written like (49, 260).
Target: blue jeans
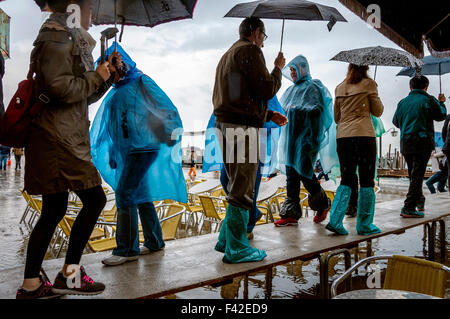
(254, 212)
(127, 235)
(440, 178)
(3, 161)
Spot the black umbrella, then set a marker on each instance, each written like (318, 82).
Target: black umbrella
(148, 13)
(287, 10)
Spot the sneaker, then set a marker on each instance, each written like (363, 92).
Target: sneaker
(411, 214)
(114, 260)
(286, 222)
(87, 285)
(321, 216)
(144, 250)
(44, 291)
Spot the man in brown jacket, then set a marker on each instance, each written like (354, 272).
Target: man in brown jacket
(242, 90)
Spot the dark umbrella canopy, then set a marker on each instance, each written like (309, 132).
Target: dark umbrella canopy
(147, 13)
(287, 10)
(408, 24)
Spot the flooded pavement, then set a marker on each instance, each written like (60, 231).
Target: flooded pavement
(295, 280)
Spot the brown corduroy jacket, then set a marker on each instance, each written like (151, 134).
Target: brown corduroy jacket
(243, 86)
(354, 104)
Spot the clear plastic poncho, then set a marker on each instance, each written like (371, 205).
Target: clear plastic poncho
(137, 116)
(268, 139)
(311, 129)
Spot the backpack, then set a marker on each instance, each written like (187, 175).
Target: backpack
(22, 109)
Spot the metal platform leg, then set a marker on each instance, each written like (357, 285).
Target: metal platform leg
(431, 231)
(324, 261)
(268, 284)
(442, 239)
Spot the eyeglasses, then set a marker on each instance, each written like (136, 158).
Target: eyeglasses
(265, 35)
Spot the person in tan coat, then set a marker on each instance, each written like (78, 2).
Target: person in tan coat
(356, 101)
(57, 154)
(18, 153)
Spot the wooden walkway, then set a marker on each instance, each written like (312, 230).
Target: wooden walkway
(192, 262)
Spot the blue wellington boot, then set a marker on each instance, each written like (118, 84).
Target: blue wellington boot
(366, 210)
(338, 210)
(237, 245)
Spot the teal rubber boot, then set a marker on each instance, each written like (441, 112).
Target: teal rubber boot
(338, 210)
(366, 210)
(221, 241)
(233, 238)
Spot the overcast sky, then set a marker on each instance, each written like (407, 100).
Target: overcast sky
(181, 57)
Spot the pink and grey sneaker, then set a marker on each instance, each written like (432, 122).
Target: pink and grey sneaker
(289, 221)
(86, 285)
(44, 291)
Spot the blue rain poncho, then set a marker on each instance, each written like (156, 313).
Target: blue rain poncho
(268, 138)
(311, 129)
(135, 117)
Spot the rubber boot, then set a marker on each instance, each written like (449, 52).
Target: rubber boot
(221, 241)
(338, 210)
(366, 210)
(237, 246)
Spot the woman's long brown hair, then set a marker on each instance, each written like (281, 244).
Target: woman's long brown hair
(356, 73)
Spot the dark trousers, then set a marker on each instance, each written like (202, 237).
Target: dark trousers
(447, 154)
(54, 208)
(318, 199)
(254, 212)
(360, 153)
(18, 157)
(417, 165)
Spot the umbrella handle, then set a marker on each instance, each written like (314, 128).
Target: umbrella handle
(440, 83)
(282, 35)
(375, 75)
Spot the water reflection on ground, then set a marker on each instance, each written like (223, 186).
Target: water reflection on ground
(294, 280)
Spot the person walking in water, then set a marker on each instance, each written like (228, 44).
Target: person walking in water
(356, 100)
(242, 89)
(18, 153)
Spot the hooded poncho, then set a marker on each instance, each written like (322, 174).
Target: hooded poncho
(311, 129)
(137, 116)
(268, 139)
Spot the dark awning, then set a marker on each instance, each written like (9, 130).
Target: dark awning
(408, 24)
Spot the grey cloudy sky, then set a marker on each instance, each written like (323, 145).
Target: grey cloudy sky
(182, 56)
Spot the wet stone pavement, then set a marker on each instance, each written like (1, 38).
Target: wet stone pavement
(290, 281)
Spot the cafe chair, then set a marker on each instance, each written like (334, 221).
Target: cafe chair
(407, 274)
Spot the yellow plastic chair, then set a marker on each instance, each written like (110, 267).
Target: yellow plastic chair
(64, 230)
(110, 215)
(407, 274)
(171, 221)
(211, 211)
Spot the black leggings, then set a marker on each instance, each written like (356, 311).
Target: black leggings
(54, 207)
(358, 152)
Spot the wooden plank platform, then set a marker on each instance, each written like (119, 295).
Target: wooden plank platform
(193, 262)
